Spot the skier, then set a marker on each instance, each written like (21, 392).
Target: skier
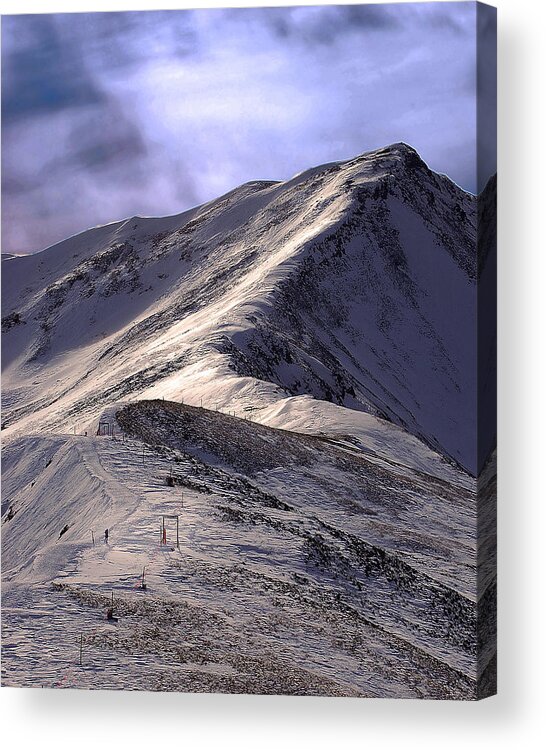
(106, 536)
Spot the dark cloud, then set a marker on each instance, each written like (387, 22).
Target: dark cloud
(106, 138)
(111, 114)
(486, 92)
(15, 186)
(371, 16)
(42, 72)
(322, 24)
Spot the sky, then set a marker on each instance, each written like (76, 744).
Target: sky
(110, 115)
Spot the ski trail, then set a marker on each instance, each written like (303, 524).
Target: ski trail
(131, 476)
(112, 486)
(240, 598)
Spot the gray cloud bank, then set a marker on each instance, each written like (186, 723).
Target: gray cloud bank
(107, 115)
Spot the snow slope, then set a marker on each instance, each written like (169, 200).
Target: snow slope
(354, 283)
(302, 568)
(291, 369)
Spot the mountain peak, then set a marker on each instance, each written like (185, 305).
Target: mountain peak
(310, 287)
(400, 147)
(394, 157)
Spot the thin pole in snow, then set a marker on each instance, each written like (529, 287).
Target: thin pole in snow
(112, 598)
(81, 648)
(93, 537)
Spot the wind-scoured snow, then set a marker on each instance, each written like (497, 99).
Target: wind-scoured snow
(354, 283)
(302, 567)
(290, 369)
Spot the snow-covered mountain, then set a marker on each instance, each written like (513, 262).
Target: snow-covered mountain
(354, 283)
(291, 370)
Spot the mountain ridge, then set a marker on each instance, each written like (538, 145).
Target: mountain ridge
(252, 288)
(283, 384)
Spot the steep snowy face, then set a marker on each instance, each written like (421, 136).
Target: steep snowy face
(353, 282)
(380, 313)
